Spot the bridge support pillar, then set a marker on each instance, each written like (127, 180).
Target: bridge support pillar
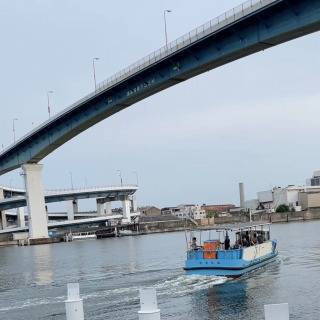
(38, 224)
(126, 209)
(108, 208)
(134, 205)
(21, 219)
(2, 213)
(100, 207)
(4, 223)
(72, 209)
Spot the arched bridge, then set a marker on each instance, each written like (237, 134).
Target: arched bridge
(254, 26)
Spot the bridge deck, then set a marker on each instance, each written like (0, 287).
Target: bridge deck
(254, 26)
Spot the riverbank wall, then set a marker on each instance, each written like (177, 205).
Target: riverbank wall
(179, 224)
(275, 217)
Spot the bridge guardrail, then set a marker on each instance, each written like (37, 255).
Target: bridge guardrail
(193, 36)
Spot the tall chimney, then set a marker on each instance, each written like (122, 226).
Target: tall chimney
(241, 192)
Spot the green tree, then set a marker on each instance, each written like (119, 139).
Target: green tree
(283, 208)
(211, 214)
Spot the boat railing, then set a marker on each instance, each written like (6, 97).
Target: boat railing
(220, 253)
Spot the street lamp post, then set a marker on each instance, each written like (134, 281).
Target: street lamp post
(94, 72)
(48, 100)
(165, 24)
(14, 129)
(71, 179)
(120, 175)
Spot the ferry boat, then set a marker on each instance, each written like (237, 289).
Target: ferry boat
(243, 248)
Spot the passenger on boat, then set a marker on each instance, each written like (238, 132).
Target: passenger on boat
(245, 242)
(194, 245)
(260, 238)
(227, 242)
(254, 239)
(247, 238)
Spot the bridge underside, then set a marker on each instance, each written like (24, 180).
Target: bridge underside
(279, 22)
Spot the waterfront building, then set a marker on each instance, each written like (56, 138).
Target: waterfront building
(315, 180)
(288, 196)
(310, 198)
(265, 199)
(150, 211)
(252, 204)
(270, 200)
(218, 208)
(193, 211)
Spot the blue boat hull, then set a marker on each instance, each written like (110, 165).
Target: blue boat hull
(236, 269)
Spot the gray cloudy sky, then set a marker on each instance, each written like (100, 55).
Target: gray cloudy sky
(255, 120)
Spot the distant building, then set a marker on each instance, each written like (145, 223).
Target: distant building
(315, 180)
(193, 211)
(150, 211)
(218, 208)
(288, 196)
(252, 204)
(310, 198)
(265, 199)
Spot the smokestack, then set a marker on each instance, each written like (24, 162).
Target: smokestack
(241, 192)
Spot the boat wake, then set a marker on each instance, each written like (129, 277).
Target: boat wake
(178, 285)
(186, 284)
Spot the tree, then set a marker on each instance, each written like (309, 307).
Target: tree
(211, 214)
(283, 208)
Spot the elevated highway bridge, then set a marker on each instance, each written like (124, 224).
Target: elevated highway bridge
(110, 193)
(254, 26)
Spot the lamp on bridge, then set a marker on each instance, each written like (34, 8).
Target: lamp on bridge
(14, 129)
(120, 175)
(48, 100)
(165, 24)
(94, 72)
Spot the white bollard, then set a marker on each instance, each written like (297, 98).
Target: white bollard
(74, 304)
(148, 304)
(276, 311)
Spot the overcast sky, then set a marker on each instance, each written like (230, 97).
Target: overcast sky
(255, 120)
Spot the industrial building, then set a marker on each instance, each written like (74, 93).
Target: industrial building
(310, 198)
(315, 180)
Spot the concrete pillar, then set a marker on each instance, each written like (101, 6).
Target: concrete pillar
(134, 204)
(4, 220)
(1, 197)
(72, 209)
(38, 224)
(148, 304)
(108, 208)
(74, 304)
(100, 207)
(126, 209)
(20, 217)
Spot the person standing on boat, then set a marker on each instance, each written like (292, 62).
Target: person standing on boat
(227, 242)
(194, 245)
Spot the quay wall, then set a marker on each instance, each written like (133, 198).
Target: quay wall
(164, 226)
(276, 217)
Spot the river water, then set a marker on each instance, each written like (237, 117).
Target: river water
(33, 279)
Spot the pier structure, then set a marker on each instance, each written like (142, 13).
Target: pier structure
(254, 26)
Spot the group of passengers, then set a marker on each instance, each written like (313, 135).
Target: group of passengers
(246, 239)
